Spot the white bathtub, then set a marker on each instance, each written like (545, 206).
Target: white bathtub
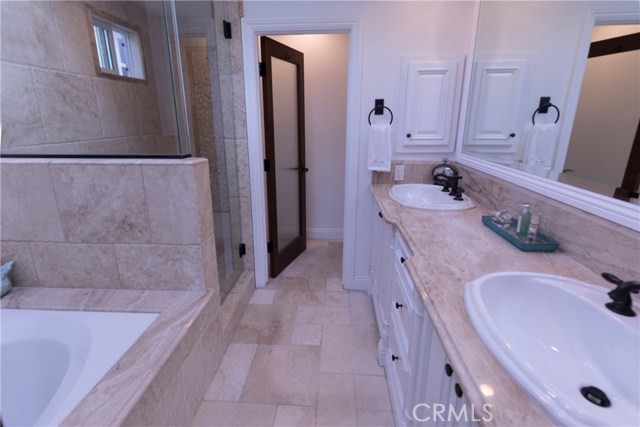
(50, 360)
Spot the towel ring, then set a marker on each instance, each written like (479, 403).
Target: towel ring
(386, 108)
(533, 117)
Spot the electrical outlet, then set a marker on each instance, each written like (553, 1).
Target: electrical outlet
(398, 173)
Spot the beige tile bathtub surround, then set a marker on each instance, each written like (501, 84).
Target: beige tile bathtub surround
(163, 377)
(600, 245)
(451, 249)
(108, 223)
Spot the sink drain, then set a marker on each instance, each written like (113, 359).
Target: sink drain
(595, 396)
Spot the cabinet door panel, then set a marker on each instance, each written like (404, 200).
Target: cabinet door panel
(397, 374)
(496, 106)
(431, 91)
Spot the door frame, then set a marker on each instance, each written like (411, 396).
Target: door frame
(251, 30)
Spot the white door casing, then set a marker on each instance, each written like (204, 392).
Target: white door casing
(251, 30)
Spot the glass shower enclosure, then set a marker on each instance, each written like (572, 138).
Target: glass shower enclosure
(124, 79)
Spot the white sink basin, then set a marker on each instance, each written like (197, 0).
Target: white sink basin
(428, 196)
(554, 336)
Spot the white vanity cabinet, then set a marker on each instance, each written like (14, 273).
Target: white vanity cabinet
(437, 389)
(409, 348)
(381, 269)
(406, 313)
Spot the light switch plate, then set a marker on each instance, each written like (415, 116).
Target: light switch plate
(398, 173)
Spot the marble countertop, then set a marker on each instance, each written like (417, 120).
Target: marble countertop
(110, 401)
(451, 249)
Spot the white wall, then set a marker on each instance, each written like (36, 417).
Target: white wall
(325, 81)
(388, 30)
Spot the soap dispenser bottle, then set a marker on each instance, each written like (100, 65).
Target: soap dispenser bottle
(524, 219)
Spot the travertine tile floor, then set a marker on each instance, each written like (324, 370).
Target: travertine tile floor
(304, 354)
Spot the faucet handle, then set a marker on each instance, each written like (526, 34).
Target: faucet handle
(611, 278)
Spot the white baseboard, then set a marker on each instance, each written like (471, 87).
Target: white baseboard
(324, 233)
(360, 284)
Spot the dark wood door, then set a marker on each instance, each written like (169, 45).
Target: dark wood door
(282, 71)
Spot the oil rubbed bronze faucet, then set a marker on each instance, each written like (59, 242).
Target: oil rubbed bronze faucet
(450, 184)
(621, 295)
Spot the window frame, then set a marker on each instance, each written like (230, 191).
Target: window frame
(109, 24)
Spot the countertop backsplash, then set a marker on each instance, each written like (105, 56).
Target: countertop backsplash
(598, 244)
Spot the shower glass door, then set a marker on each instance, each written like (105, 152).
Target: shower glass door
(202, 74)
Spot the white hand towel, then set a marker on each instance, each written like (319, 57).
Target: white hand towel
(379, 148)
(540, 149)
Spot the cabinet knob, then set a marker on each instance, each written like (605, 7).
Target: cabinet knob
(408, 135)
(512, 135)
(448, 370)
(458, 390)
(402, 260)
(398, 305)
(394, 358)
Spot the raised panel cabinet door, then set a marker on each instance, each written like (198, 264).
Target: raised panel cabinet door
(431, 96)
(496, 106)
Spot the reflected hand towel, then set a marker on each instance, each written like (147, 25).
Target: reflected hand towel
(379, 148)
(541, 148)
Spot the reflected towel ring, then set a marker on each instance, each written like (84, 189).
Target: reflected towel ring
(533, 117)
(386, 108)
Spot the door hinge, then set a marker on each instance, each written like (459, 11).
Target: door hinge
(242, 250)
(269, 247)
(263, 69)
(226, 29)
(267, 165)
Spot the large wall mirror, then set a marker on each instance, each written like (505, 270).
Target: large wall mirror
(554, 102)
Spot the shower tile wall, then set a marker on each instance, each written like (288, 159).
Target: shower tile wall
(53, 102)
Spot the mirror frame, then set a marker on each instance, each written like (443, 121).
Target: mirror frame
(617, 211)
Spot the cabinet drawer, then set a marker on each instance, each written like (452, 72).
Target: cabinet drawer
(400, 247)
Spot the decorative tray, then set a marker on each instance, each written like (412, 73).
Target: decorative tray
(541, 243)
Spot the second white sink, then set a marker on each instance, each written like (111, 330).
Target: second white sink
(557, 340)
(428, 196)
